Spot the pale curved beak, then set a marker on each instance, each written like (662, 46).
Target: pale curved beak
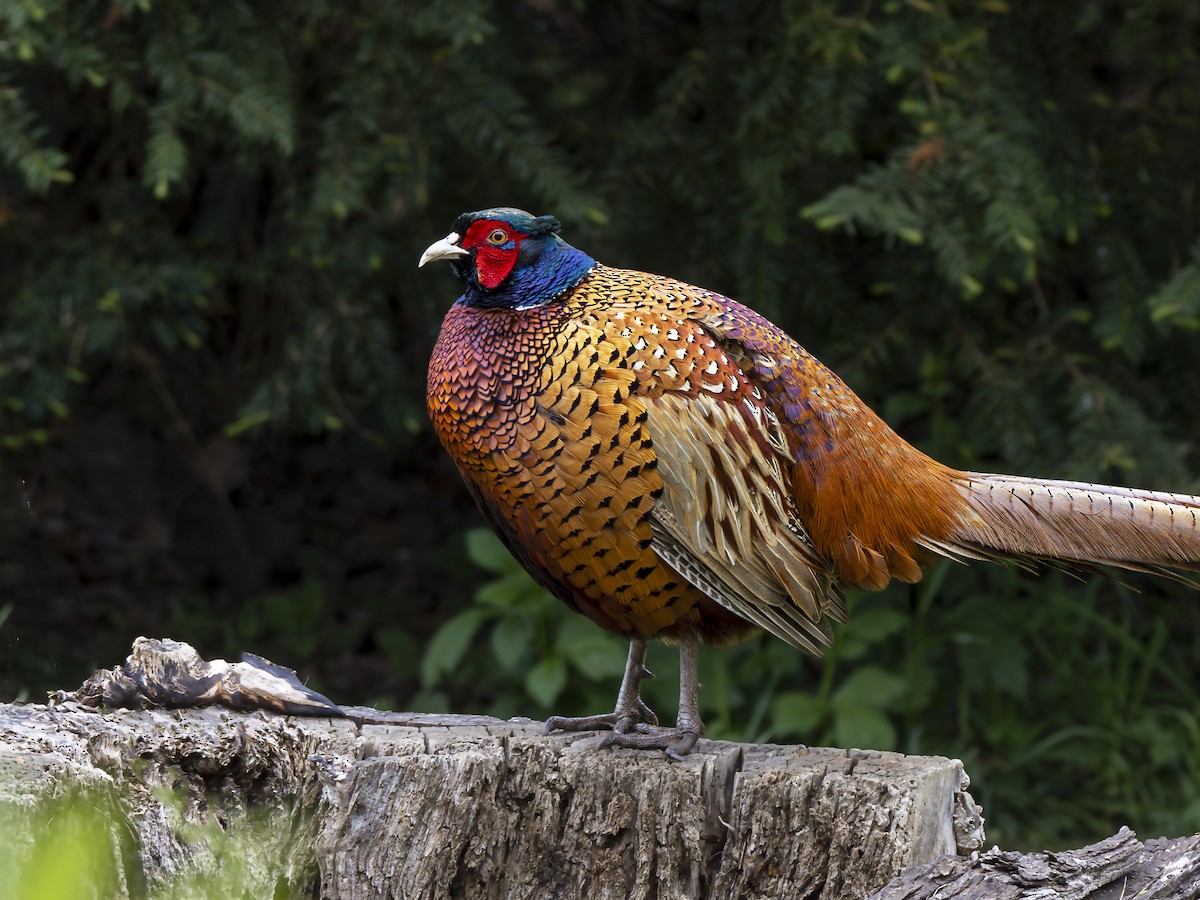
(446, 248)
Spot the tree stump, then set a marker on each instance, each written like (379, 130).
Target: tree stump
(213, 802)
(440, 806)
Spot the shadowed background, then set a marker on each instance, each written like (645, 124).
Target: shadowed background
(213, 339)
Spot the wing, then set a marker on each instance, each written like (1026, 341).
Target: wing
(725, 518)
(872, 503)
(727, 522)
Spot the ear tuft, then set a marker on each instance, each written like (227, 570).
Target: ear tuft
(546, 225)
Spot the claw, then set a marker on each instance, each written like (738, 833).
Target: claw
(631, 710)
(676, 743)
(633, 724)
(677, 753)
(645, 712)
(635, 717)
(621, 722)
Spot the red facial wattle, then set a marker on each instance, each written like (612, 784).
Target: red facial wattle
(494, 259)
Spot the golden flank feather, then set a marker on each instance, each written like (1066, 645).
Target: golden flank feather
(671, 464)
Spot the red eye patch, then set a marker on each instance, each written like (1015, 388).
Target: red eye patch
(494, 259)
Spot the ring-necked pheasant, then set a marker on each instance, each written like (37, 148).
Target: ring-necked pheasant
(671, 464)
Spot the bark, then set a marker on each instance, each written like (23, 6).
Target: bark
(438, 806)
(358, 803)
(1112, 869)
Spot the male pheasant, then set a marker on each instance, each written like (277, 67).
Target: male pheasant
(671, 464)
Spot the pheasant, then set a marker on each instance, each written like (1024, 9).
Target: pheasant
(672, 465)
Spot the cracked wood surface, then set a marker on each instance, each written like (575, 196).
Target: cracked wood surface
(422, 806)
(1115, 868)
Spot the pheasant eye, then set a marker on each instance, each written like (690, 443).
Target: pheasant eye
(498, 236)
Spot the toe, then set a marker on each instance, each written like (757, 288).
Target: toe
(582, 723)
(676, 743)
(683, 746)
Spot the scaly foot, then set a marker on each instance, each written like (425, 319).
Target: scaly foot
(627, 730)
(631, 710)
(619, 721)
(679, 741)
(676, 742)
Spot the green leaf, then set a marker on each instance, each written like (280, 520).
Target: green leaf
(545, 681)
(869, 686)
(798, 713)
(449, 644)
(590, 651)
(246, 422)
(829, 222)
(858, 726)
(166, 153)
(109, 301)
(871, 625)
(511, 640)
(485, 550)
(514, 589)
(600, 658)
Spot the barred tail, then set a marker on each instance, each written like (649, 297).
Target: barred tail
(1093, 524)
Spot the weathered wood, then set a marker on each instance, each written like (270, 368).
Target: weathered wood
(205, 802)
(163, 673)
(1113, 869)
(522, 815)
(471, 807)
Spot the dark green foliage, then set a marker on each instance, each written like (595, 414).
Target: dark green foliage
(982, 214)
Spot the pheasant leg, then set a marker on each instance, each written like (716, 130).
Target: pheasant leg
(679, 741)
(630, 711)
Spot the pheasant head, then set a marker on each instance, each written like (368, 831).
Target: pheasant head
(508, 257)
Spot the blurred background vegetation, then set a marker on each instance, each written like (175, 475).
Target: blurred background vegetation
(983, 214)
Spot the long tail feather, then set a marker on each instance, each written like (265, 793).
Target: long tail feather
(1091, 524)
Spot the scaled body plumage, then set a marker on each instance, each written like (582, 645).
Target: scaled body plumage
(671, 464)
